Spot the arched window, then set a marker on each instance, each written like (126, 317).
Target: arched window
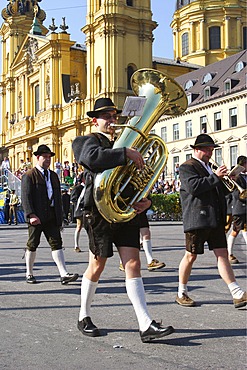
(214, 38)
(130, 71)
(185, 44)
(98, 80)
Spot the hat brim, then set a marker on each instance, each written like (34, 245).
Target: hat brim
(40, 153)
(204, 144)
(95, 113)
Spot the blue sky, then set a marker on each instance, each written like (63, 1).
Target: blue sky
(75, 13)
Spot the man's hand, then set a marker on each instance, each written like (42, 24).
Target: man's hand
(136, 157)
(143, 204)
(221, 171)
(34, 220)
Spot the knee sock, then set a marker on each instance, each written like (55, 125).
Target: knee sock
(235, 290)
(76, 238)
(88, 289)
(136, 294)
(244, 233)
(230, 243)
(58, 258)
(147, 247)
(182, 289)
(30, 258)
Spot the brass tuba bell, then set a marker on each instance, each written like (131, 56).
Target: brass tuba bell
(115, 190)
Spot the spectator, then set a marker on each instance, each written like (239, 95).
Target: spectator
(57, 168)
(13, 207)
(6, 207)
(176, 171)
(66, 170)
(5, 166)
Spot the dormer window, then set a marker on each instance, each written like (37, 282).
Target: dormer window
(209, 91)
(229, 84)
(239, 66)
(188, 84)
(206, 92)
(191, 97)
(207, 77)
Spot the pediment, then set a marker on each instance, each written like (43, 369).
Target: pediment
(187, 147)
(175, 150)
(218, 141)
(29, 48)
(232, 138)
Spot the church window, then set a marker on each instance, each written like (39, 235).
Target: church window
(214, 37)
(185, 44)
(36, 97)
(129, 2)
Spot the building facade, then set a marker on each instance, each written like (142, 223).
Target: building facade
(207, 31)
(217, 105)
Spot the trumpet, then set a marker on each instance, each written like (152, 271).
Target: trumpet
(229, 183)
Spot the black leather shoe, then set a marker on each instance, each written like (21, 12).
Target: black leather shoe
(30, 279)
(88, 328)
(155, 331)
(69, 278)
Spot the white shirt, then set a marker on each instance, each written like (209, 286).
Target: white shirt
(47, 181)
(208, 168)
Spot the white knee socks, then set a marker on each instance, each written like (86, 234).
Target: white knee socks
(58, 258)
(30, 258)
(235, 290)
(147, 247)
(88, 289)
(182, 289)
(136, 294)
(230, 243)
(76, 238)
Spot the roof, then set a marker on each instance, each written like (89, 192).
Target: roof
(215, 80)
(173, 62)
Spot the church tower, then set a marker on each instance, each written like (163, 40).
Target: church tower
(119, 41)
(207, 31)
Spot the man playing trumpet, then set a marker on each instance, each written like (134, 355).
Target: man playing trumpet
(204, 215)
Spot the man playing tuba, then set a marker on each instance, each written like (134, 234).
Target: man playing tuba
(95, 153)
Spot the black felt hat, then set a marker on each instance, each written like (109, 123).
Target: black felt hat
(102, 105)
(204, 140)
(43, 149)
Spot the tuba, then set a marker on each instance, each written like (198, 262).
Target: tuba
(116, 190)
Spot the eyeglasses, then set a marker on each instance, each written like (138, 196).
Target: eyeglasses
(107, 116)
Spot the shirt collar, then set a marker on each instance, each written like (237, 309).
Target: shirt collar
(41, 169)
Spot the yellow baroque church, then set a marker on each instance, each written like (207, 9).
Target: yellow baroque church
(48, 81)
